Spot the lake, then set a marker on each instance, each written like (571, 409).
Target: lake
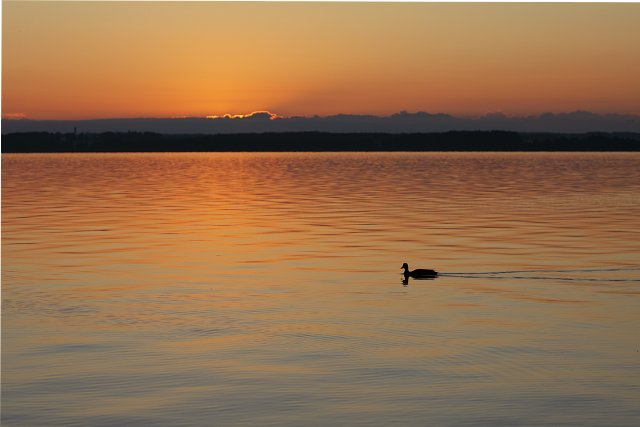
(236, 289)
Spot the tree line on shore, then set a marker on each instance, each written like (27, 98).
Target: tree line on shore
(47, 142)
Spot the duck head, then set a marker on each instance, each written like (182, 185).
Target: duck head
(405, 266)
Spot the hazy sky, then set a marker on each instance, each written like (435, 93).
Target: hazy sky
(74, 60)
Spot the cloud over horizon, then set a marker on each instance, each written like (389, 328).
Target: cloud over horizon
(256, 115)
(402, 122)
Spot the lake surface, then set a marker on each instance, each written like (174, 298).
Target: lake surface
(236, 289)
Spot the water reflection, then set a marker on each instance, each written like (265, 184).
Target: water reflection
(259, 289)
(405, 279)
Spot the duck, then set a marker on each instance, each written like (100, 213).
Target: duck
(418, 273)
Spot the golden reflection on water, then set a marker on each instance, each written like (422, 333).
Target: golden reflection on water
(266, 289)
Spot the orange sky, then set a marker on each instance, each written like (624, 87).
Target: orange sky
(76, 60)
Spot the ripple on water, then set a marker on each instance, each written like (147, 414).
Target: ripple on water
(257, 289)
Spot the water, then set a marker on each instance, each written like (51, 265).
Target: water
(265, 289)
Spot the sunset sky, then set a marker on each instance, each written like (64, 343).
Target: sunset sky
(81, 60)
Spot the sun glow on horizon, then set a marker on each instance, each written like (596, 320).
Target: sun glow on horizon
(264, 114)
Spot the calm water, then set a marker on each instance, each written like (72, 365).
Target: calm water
(265, 289)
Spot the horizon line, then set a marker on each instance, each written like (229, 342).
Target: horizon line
(266, 114)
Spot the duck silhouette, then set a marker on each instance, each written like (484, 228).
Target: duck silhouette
(419, 273)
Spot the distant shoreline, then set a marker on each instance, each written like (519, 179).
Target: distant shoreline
(127, 142)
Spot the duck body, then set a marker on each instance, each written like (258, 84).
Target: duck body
(418, 273)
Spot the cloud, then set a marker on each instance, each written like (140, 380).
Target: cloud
(403, 122)
(256, 115)
(14, 116)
